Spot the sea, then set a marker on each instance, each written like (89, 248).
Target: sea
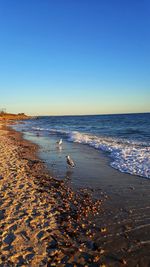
(124, 139)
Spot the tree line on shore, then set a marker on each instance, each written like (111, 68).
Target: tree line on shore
(10, 116)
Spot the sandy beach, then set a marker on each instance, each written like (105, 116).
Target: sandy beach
(22, 209)
(43, 222)
(38, 219)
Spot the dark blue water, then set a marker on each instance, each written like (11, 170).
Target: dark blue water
(125, 137)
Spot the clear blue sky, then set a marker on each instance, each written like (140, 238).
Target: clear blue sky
(75, 56)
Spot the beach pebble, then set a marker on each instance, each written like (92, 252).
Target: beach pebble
(132, 187)
(123, 261)
(103, 230)
(83, 226)
(96, 258)
(130, 211)
(127, 227)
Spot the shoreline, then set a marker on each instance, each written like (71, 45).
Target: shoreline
(46, 216)
(71, 214)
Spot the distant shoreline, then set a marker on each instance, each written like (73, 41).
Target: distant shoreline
(22, 116)
(10, 116)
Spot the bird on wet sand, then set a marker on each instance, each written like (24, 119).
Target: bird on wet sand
(59, 142)
(70, 161)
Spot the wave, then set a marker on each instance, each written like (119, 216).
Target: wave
(127, 156)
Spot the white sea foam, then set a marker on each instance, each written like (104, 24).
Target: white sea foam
(127, 156)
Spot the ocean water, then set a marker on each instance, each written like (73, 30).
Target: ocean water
(124, 138)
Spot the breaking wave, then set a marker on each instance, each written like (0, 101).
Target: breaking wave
(127, 156)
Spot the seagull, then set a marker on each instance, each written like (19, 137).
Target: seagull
(59, 142)
(70, 161)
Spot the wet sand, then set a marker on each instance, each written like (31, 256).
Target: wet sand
(44, 222)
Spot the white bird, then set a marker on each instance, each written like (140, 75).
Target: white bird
(59, 142)
(70, 161)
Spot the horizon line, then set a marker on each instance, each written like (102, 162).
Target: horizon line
(105, 114)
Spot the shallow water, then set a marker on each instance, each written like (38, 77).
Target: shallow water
(92, 169)
(125, 139)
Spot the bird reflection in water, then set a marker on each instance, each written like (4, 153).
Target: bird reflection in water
(59, 151)
(59, 148)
